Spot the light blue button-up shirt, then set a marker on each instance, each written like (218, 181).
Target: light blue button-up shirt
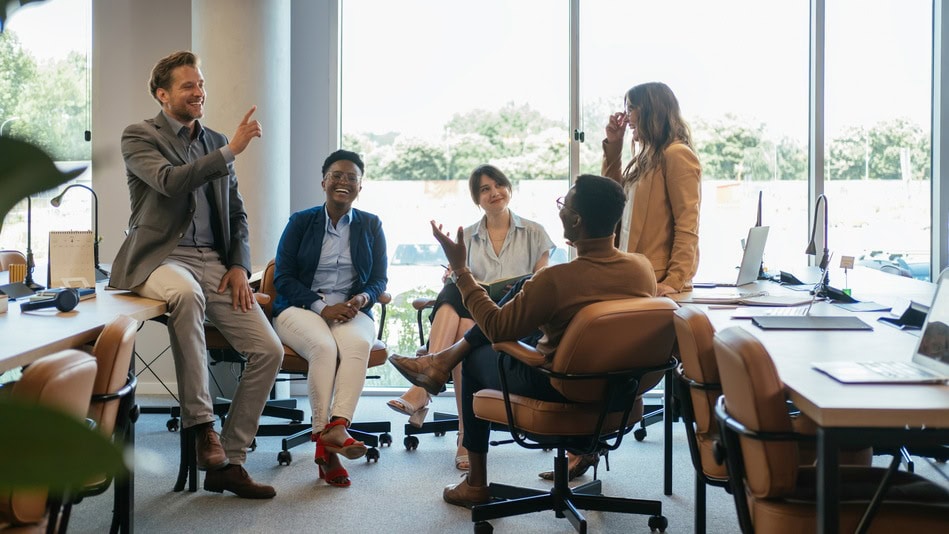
(335, 274)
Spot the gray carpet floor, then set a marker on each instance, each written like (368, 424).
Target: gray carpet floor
(402, 492)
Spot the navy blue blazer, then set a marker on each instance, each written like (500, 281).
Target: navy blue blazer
(298, 254)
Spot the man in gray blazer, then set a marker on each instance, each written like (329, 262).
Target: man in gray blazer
(187, 245)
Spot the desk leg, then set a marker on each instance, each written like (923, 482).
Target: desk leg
(828, 482)
(667, 416)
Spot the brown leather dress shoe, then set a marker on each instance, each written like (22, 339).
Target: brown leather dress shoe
(461, 494)
(421, 372)
(208, 450)
(234, 478)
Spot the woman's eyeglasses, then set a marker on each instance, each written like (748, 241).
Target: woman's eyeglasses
(560, 204)
(343, 177)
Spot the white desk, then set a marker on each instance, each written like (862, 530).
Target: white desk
(850, 415)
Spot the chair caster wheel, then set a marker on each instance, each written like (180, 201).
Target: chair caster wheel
(439, 434)
(639, 434)
(658, 522)
(385, 440)
(410, 442)
(172, 424)
(134, 413)
(483, 527)
(284, 458)
(372, 455)
(253, 445)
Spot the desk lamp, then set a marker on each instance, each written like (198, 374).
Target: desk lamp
(812, 245)
(101, 274)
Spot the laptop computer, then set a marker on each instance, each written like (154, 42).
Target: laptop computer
(751, 258)
(930, 361)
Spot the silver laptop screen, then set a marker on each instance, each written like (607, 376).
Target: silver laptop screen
(933, 348)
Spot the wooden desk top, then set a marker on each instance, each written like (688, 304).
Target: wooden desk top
(25, 337)
(832, 404)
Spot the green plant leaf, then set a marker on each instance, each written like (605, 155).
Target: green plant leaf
(45, 448)
(25, 170)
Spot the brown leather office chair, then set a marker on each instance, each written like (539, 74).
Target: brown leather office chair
(295, 432)
(697, 390)
(10, 257)
(611, 353)
(773, 492)
(442, 422)
(64, 381)
(112, 410)
(374, 433)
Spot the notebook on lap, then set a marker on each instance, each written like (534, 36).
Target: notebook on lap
(930, 360)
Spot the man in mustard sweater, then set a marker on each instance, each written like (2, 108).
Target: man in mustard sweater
(547, 302)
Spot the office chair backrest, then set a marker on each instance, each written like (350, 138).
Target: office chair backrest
(694, 333)
(63, 381)
(113, 352)
(754, 396)
(11, 257)
(267, 287)
(611, 336)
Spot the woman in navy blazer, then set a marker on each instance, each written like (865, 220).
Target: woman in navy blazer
(330, 269)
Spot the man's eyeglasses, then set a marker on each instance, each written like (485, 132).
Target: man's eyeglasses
(560, 204)
(340, 177)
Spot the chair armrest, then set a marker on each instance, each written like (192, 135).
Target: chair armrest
(384, 298)
(522, 352)
(421, 303)
(262, 298)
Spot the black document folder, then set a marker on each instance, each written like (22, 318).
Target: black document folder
(810, 322)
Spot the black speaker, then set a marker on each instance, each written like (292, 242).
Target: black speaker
(64, 301)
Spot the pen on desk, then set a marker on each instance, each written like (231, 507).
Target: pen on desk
(723, 306)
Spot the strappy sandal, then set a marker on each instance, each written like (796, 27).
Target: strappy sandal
(416, 414)
(584, 462)
(461, 460)
(338, 477)
(350, 448)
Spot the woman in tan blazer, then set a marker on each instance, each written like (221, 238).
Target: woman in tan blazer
(664, 191)
(662, 181)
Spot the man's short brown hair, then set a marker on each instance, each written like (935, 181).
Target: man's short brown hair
(161, 72)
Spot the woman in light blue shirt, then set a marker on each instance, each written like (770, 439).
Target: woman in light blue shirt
(500, 245)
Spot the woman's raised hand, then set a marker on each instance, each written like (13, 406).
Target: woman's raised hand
(616, 127)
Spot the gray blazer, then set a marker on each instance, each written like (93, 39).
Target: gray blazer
(162, 189)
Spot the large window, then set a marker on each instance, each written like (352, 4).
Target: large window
(45, 99)
(431, 90)
(878, 130)
(739, 71)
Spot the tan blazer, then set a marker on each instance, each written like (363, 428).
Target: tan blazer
(665, 222)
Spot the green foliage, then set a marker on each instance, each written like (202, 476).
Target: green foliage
(879, 153)
(51, 449)
(55, 116)
(50, 100)
(17, 68)
(731, 149)
(414, 159)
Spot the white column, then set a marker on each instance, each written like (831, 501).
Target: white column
(244, 47)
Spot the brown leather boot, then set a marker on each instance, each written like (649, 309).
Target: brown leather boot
(462, 494)
(208, 450)
(234, 478)
(431, 371)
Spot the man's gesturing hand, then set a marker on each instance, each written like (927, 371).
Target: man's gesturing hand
(246, 130)
(455, 251)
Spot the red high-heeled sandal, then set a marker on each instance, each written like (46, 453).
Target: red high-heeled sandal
(350, 448)
(333, 477)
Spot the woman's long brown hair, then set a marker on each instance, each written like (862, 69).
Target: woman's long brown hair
(660, 125)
